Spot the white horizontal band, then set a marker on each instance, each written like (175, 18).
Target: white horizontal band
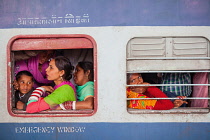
(74, 105)
(62, 106)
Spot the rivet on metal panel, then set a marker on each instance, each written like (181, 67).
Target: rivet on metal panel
(9, 64)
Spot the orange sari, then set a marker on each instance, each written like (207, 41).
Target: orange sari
(139, 104)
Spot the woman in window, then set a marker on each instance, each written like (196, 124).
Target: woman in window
(145, 92)
(60, 71)
(83, 77)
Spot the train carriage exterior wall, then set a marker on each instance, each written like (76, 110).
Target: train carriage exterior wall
(111, 24)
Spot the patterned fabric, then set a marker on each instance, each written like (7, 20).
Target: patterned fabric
(177, 78)
(37, 93)
(67, 105)
(139, 104)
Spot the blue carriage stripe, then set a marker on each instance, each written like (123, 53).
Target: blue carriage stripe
(104, 131)
(83, 13)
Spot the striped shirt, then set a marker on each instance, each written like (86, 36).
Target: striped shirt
(177, 78)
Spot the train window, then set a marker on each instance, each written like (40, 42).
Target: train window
(23, 48)
(177, 66)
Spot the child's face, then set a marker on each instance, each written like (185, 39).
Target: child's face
(25, 84)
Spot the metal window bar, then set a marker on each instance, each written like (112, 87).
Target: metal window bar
(165, 71)
(168, 58)
(167, 98)
(141, 85)
(167, 85)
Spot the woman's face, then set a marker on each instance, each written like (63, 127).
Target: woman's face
(53, 73)
(80, 77)
(25, 84)
(135, 79)
(45, 56)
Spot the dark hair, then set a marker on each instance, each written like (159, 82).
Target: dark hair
(129, 76)
(27, 73)
(63, 63)
(86, 65)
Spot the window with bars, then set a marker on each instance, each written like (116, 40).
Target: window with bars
(177, 65)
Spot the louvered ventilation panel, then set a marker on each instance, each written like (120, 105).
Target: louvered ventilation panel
(147, 47)
(167, 53)
(190, 47)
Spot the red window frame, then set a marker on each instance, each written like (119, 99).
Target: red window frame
(50, 42)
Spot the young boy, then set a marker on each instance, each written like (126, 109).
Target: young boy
(24, 87)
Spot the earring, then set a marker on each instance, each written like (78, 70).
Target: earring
(61, 78)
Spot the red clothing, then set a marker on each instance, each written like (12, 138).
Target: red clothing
(154, 92)
(38, 106)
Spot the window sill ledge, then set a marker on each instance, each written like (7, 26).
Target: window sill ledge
(181, 110)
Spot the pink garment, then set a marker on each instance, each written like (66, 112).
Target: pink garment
(200, 91)
(32, 65)
(38, 106)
